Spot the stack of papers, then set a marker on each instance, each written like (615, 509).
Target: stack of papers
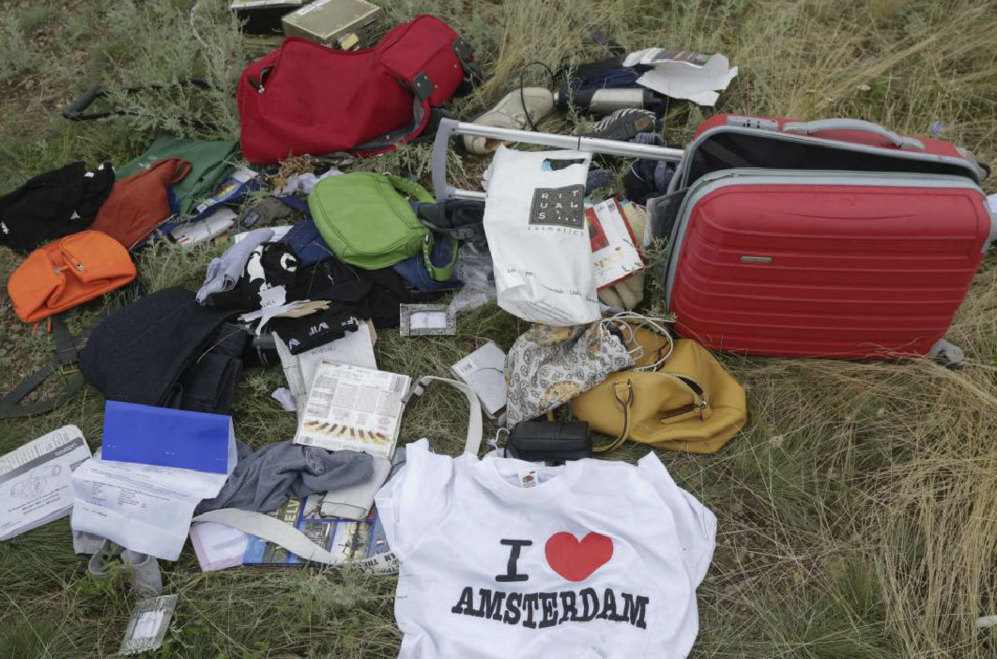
(169, 461)
(36, 480)
(354, 349)
(683, 74)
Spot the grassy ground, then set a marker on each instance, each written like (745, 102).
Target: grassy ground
(858, 511)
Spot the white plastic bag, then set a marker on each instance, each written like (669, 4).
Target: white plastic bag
(538, 238)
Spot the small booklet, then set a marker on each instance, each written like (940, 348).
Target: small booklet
(36, 480)
(353, 408)
(484, 371)
(614, 249)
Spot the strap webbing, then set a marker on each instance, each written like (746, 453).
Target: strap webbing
(67, 349)
(282, 534)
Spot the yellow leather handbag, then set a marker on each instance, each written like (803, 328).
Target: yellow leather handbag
(687, 403)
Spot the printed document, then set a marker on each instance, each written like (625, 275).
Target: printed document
(35, 480)
(353, 408)
(144, 508)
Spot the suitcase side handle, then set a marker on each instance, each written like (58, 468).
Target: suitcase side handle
(857, 125)
(450, 127)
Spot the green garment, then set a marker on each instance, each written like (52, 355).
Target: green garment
(210, 162)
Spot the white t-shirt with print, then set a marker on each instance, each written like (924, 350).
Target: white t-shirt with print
(505, 558)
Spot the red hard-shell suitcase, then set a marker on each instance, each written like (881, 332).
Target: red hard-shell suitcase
(847, 242)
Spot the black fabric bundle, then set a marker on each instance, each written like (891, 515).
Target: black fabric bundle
(269, 265)
(166, 350)
(366, 294)
(53, 205)
(460, 218)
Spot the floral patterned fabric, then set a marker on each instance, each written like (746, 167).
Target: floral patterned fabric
(548, 366)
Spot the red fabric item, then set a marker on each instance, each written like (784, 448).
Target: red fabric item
(846, 271)
(140, 203)
(305, 98)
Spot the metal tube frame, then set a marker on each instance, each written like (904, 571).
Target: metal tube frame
(448, 128)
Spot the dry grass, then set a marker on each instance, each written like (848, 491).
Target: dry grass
(858, 512)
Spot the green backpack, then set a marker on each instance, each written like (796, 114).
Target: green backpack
(367, 223)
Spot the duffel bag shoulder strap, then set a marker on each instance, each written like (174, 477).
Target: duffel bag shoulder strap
(429, 58)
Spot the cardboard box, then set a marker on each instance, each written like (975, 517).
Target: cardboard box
(346, 24)
(263, 16)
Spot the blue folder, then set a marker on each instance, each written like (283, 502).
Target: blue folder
(166, 437)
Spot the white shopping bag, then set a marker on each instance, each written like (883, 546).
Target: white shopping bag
(538, 237)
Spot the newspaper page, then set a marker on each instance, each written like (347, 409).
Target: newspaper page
(353, 408)
(36, 480)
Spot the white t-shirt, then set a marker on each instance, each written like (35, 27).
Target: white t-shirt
(506, 558)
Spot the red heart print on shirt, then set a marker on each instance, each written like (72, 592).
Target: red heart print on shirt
(575, 560)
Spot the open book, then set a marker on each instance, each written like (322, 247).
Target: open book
(353, 408)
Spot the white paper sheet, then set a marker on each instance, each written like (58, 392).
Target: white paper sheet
(484, 371)
(687, 75)
(286, 399)
(141, 507)
(35, 480)
(291, 309)
(218, 546)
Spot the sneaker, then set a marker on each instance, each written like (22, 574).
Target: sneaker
(623, 125)
(510, 113)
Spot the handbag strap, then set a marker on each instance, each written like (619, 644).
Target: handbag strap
(411, 188)
(623, 394)
(439, 272)
(284, 535)
(474, 425)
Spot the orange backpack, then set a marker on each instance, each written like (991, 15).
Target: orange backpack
(68, 272)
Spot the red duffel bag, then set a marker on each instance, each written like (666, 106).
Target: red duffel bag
(304, 98)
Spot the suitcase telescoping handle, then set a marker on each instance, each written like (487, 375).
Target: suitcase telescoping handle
(856, 125)
(449, 127)
(75, 110)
